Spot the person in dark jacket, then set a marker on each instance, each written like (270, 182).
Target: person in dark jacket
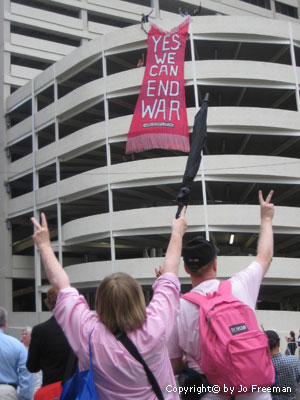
(49, 349)
(145, 18)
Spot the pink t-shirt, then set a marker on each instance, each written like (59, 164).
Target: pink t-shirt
(185, 335)
(117, 374)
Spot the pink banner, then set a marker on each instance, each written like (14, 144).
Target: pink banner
(159, 119)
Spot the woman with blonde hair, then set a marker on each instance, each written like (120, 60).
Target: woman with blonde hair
(120, 307)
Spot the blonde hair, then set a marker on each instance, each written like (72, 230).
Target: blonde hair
(27, 329)
(50, 300)
(120, 303)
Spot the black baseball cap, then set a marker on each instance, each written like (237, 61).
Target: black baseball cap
(198, 252)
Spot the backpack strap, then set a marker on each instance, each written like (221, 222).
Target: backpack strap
(210, 299)
(225, 288)
(131, 348)
(90, 349)
(194, 297)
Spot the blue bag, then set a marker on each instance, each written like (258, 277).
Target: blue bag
(81, 386)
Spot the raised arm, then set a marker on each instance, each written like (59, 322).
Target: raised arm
(150, 13)
(54, 271)
(173, 255)
(265, 240)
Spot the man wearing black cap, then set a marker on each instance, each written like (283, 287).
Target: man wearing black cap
(287, 370)
(200, 262)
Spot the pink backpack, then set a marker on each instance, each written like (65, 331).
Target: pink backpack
(234, 351)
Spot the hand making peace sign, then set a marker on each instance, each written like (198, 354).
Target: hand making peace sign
(266, 208)
(41, 233)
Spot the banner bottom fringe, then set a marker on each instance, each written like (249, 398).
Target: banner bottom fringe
(157, 141)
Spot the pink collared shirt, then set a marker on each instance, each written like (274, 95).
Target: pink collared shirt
(117, 374)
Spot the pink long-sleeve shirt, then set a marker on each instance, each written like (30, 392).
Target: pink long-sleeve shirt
(117, 374)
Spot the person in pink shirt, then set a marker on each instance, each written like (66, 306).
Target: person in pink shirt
(200, 262)
(120, 306)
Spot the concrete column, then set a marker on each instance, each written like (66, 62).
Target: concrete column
(37, 258)
(147, 296)
(145, 253)
(298, 8)
(108, 162)
(294, 65)
(85, 24)
(152, 252)
(5, 234)
(155, 6)
(274, 10)
(159, 252)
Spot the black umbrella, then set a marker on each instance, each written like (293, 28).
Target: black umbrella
(198, 140)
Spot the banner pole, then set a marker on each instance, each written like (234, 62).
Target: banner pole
(203, 183)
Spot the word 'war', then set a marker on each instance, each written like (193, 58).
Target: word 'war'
(159, 108)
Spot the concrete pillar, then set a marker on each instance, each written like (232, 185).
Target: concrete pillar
(159, 252)
(145, 253)
(155, 6)
(274, 10)
(5, 234)
(85, 24)
(152, 252)
(147, 293)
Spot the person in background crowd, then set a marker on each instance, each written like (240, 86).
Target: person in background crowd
(298, 342)
(13, 372)
(141, 61)
(26, 336)
(291, 344)
(120, 307)
(37, 377)
(196, 11)
(145, 18)
(185, 14)
(287, 370)
(49, 350)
